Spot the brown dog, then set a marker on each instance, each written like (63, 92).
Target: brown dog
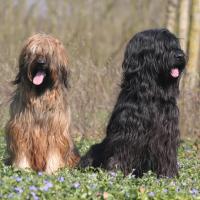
(37, 133)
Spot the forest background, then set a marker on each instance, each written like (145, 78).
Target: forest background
(95, 34)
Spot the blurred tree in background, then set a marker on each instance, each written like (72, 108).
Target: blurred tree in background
(95, 34)
(187, 27)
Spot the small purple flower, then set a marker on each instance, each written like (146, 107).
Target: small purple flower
(194, 191)
(47, 185)
(151, 194)
(18, 190)
(35, 197)
(76, 185)
(165, 190)
(18, 179)
(39, 173)
(33, 188)
(113, 174)
(61, 179)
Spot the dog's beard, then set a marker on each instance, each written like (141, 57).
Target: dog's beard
(173, 66)
(177, 68)
(39, 76)
(38, 72)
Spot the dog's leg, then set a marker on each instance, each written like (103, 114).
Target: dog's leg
(88, 159)
(54, 161)
(169, 165)
(93, 158)
(164, 159)
(18, 159)
(21, 161)
(119, 159)
(16, 146)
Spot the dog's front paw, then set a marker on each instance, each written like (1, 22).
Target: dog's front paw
(85, 162)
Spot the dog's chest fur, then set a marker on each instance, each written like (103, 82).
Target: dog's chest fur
(45, 145)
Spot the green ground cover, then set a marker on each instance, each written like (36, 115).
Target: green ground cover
(74, 184)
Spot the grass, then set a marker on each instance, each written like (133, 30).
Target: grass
(74, 184)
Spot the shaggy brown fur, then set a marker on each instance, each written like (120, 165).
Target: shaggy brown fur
(37, 133)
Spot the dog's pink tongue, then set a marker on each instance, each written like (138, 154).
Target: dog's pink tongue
(175, 72)
(38, 78)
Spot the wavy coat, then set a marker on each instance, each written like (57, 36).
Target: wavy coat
(143, 133)
(38, 131)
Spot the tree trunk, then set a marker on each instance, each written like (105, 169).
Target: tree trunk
(184, 20)
(190, 114)
(194, 47)
(172, 15)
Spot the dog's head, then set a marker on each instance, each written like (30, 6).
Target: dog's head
(156, 54)
(42, 63)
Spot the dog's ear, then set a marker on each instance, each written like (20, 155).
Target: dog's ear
(133, 59)
(64, 76)
(17, 79)
(131, 63)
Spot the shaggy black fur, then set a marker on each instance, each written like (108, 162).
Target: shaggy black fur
(143, 132)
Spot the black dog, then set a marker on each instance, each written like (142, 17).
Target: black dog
(143, 132)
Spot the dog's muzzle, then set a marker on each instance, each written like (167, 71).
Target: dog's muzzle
(39, 72)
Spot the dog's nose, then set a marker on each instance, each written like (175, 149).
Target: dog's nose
(41, 61)
(180, 55)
